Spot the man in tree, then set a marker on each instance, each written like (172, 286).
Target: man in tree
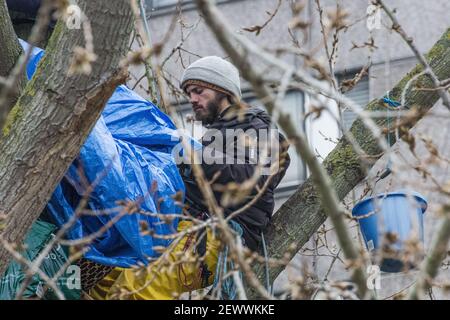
(213, 87)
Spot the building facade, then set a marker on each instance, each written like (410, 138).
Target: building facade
(389, 61)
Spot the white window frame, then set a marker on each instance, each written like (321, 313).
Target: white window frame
(286, 187)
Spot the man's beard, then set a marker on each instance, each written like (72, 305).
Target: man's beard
(212, 112)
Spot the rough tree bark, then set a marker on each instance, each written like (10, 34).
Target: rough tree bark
(301, 215)
(55, 114)
(10, 50)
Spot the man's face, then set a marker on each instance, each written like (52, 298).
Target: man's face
(205, 103)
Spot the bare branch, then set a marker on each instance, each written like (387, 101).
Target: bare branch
(432, 263)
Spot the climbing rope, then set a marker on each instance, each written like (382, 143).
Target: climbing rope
(395, 105)
(228, 289)
(266, 262)
(391, 103)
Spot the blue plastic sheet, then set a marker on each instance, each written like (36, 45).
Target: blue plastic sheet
(35, 57)
(128, 154)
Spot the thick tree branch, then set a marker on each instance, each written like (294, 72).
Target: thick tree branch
(55, 114)
(16, 80)
(10, 51)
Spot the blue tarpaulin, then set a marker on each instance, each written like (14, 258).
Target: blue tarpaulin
(129, 154)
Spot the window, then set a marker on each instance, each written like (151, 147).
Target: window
(292, 104)
(359, 94)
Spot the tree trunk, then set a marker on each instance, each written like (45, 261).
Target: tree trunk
(54, 115)
(10, 50)
(302, 214)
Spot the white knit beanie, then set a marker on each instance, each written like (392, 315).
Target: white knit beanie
(215, 71)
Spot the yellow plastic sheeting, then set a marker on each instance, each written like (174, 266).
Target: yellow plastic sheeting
(172, 274)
